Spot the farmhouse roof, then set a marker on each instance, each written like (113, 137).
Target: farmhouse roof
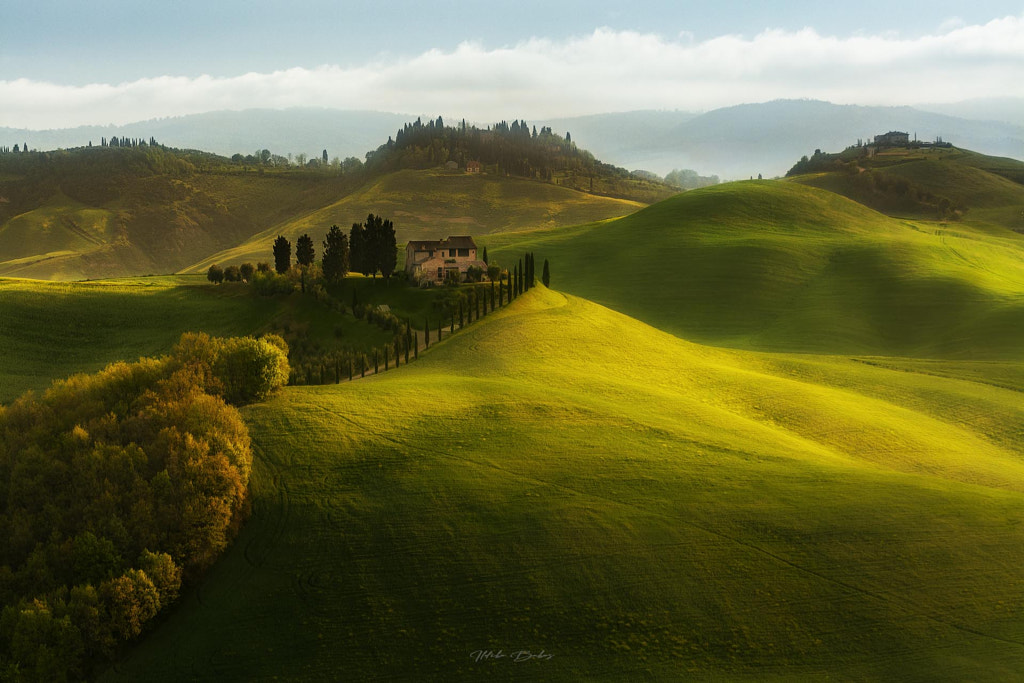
(460, 242)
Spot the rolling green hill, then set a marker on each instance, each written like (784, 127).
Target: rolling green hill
(433, 204)
(108, 212)
(562, 479)
(929, 183)
(780, 266)
(101, 212)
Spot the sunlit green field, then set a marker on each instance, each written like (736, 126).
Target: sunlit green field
(812, 467)
(560, 478)
(779, 266)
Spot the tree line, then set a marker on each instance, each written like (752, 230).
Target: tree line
(118, 487)
(464, 307)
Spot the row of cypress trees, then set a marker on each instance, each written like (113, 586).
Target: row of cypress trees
(339, 366)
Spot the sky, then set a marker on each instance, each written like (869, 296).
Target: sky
(65, 63)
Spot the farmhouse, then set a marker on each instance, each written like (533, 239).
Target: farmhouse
(892, 139)
(474, 167)
(432, 260)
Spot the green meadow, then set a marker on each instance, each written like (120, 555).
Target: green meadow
(560, 478)
(754, 432)
(780, 266)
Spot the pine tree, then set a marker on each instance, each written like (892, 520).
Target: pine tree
(282, 254)
(546, 275)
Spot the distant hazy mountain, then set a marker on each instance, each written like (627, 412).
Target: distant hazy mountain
(1005, 109)
(615, 137)
(767, 138)
(282, 131)
(733, 142)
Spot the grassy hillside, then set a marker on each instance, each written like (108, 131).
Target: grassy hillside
(108, 212)
(979, 190)
(562, 479)
(51, 330)
(781, 266)
(433, 204)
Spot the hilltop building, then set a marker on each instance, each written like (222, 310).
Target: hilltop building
(892, 139)
(432, 260)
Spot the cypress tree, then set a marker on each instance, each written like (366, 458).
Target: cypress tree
(376, 361)
(492, 296)
(521, 278)
(546, 275)
(461, 324)
(387, 356)
(476, 302)
(350, 368)
(408, 343)
(282, 254)
(439, 321)
(426, 333)
(501, 293)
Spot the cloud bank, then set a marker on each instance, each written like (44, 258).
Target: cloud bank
(607, 70)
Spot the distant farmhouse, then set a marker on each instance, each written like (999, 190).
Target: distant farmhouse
(474, 167)
(892, 139)
(432, 260)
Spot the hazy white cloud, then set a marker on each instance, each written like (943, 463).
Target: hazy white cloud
(607, 70)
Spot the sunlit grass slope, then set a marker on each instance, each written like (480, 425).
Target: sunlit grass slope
(50, 330)
(104, 217)
(779, 266)
(433, 204)
(561, 478)
(988, 191)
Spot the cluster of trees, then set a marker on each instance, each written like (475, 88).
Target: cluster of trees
(515, 149)
(119, 486)
(369, 248)
(459, 307)
(688, 179)
(267, 158)
(17, 149)
(126, 142)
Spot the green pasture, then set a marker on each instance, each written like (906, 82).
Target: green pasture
(560, 478)
(779, 266)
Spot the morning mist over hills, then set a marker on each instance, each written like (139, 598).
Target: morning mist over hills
(733, 142)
